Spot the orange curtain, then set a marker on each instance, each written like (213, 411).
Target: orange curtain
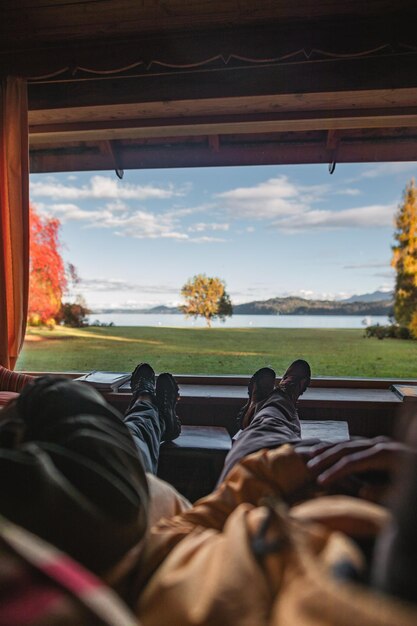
(14, 218)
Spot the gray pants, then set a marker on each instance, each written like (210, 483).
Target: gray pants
(146, 428)
(275, 423)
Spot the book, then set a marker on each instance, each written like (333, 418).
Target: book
(125, 387)
(104, 381)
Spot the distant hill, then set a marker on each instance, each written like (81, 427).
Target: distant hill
(157, 310)
(162, 309)
(376, 296)
(366, 304)
(301, 306)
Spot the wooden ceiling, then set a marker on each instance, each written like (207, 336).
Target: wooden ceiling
(27, 22)
(118, 84)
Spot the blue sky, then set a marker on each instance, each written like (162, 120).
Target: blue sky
(267, 231)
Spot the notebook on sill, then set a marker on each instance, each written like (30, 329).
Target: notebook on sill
(104, 381)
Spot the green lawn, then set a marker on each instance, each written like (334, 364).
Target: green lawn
(331, 352)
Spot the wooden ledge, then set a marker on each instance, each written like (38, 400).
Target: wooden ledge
(323, 392)
(313, 397)
(229, 380)
(405, 393)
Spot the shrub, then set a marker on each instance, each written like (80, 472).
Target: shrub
(101, 324)
(34, 319)
(380, 332)
(391, 331)
(73, 314)
(50, 323)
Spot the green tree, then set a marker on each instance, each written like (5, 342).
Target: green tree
(206, 297)
(404, 258)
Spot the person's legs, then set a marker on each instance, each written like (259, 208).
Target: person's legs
(142, 420)
(274, 420)
(151, 416)
(261, 385)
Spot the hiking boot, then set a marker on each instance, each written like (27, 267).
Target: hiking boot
(296, 379)
(167, 395)
(260, 386)
(143, 380)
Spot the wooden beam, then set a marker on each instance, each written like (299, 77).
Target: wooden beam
(245, 105)
(214, 143)
(238, 152)
(132, 129)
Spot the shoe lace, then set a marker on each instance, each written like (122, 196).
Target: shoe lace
(142, 382)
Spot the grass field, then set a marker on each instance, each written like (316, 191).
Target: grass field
(331, 352)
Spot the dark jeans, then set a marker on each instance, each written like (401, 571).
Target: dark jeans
(275, 423)
(146, 428)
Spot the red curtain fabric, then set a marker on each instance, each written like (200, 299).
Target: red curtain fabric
(14, 217)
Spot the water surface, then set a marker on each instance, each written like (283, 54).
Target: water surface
(240, 321)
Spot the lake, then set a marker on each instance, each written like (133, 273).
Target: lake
(240, 321)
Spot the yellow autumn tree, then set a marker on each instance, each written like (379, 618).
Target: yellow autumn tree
(404, 260)
(206, 297)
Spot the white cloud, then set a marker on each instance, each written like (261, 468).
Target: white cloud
(116, 284)
(269, 199)
(366, 265)
(117, 205)
(349, 191)
(202, 227)
(310, 294)
(178, 212)
(388, 274)
(373, 216)
(102, 187)
(386, 287)
(136, 223)
(281, 203)
(279, 198)
(139, 224)
(144, 225)
(389, 169)
(206, 239)
(383, 267)
(314, 193)
(69, 212)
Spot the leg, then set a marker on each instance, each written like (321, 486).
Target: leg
(151, 416)
(142, 420)
(274, 420)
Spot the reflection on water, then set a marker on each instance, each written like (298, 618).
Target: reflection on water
(241, 321)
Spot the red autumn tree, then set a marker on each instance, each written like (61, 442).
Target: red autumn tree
(47, 281)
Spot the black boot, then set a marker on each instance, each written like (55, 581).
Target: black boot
(167, 394)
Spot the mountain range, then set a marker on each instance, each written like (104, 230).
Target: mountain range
(375, 296)
(376, 303)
